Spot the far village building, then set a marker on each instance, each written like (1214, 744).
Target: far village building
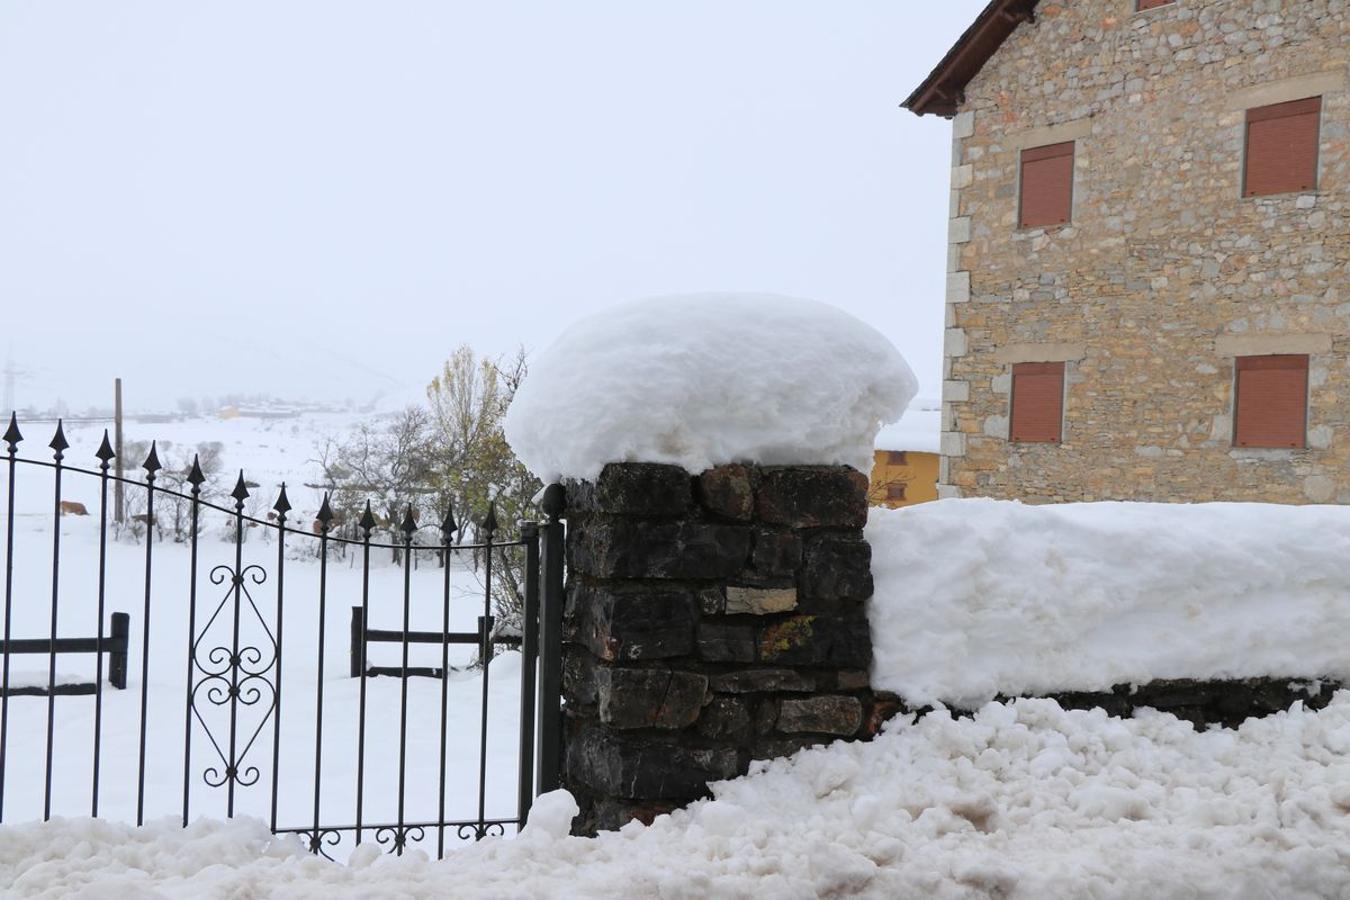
(1148, 291)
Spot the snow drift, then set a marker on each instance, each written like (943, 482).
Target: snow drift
(1023, 800)
(976, 598)
(707, 379)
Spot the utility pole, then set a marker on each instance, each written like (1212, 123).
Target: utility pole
(118, 510)
(10, 373)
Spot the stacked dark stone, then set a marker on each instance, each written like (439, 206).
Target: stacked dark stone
(712, 619)
(1206, 703)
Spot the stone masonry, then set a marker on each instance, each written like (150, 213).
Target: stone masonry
(1166, 273)
(711, 620)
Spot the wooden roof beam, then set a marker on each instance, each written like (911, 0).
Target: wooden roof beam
(943, 91)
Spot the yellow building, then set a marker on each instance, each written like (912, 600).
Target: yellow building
(905, 465)
(903, 478)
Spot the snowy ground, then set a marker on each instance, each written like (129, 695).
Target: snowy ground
(270, 452)
(1023, 800)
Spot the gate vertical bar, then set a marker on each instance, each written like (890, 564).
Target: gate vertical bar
(448, 528)
(409, 526)
(485, 636)
(325, 522)
(151, 466)
(240, 494)
(59, 446)
(282, 506)
(105, 453)
(12, 438)
(550, 643)
(529, 652)
(195, 477)
(367, 525)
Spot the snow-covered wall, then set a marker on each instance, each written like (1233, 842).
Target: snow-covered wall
(976, 598)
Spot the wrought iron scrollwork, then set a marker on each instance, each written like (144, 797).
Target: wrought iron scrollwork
(397, 838)
(317, 841)
(476, 832)
(234, 676)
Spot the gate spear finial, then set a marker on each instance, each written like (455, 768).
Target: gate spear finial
(105, 452)
(12, 434)
(283, 504)
(59, 443)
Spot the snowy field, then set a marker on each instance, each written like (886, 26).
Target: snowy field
(269, 451)
(1023, 800)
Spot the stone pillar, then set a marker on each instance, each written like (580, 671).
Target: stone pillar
(711, 619)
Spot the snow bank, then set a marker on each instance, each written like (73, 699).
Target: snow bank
(982, 597)
(1024, 800)
(708, 379)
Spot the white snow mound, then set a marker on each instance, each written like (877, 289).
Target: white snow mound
(1022, 801)
(707, 379)
(976, 598)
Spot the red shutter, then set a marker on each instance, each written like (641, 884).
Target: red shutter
(1272, 401)
(1152, 4)
(1037, 402)
(1282, 147)
(1047, 185)
(897, 457)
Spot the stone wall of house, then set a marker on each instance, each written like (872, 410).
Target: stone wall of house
(711, 620)
(1166, 273)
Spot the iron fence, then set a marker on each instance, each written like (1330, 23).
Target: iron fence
(242, 633)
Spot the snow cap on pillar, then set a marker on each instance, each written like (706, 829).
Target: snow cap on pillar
(707, 379)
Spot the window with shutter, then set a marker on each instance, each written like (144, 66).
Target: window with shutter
(897, 457)
(1047, 186)
(1037, 402)
(895, 492)
(1282, 147)
(1271, 409)
(1152, 4)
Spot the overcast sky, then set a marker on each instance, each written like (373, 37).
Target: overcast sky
(322, 198)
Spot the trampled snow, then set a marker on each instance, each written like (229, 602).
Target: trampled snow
(976, 598)
(1024, 800)
(707, 379)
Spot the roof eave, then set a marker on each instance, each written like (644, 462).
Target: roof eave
(943, 92)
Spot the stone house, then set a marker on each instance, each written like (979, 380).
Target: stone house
(1148, 291)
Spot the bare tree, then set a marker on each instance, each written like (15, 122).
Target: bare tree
(385, 463)
(173, 509)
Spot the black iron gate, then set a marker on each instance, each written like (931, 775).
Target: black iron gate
(245, 642)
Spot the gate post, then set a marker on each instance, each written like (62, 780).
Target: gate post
(551, 642)
(529, 670)
(117, 641)
(712, 619)
(358, 644)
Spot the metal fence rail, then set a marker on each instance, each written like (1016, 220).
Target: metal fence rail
(234, 645)
(115, 645)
